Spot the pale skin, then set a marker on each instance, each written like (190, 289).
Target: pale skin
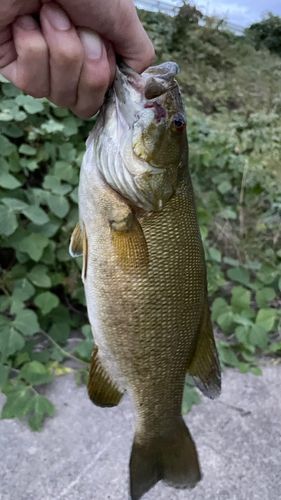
(65, 50)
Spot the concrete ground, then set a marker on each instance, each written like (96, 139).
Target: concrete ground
(83, 453)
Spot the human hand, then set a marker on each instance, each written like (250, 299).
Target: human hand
(65, 60)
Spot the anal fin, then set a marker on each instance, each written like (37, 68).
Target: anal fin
(205, 366)
(102, 390)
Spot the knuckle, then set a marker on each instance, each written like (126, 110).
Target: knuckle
(67, 56)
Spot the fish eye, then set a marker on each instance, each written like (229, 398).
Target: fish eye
(179, 122)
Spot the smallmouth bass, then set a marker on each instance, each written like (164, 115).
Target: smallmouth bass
(144, 272)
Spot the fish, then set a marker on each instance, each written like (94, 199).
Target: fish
(144, 272)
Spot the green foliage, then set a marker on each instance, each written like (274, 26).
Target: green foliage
(267, 33)
(233, 105)
(42, 298)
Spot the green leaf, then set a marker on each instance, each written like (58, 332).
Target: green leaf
(59, 205)
(8, 221)
(26, 322)
(14, 204)
(36, 215)
(36, 373)
(4, 376)
(242, 334)
(39, 276)
(41, 408)
(6, 147)
(219, 306)
(59, 331)
(84, 349)
(8, 181)
(10, 342)
(239, 274)
(34, 245)
(266, 319)
(27, 150)
(31, 106)
(23, 290)
(17, 403)
(264, 296)
(225, 321)
(241, 298)
(225, 187)
(190, 398)
(227, 355)
(46, 302)
(258, 336)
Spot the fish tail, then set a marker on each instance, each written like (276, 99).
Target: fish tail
(171, 457)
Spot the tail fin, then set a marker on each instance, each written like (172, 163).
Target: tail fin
(171, 457)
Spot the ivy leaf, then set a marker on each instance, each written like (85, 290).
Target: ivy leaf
(6, 147)
(17, 403)
(36, 373)
(4, 375)
(27, 150)
(266, 319)
(84, 349)
(8, 221)
(239, 274)
(264, 296)
(41, 408)
(59, 205)
(10, 342)
(36, 215)
(8, 181)
(190, 398)
(26, 322)
(34, 245)
(30, 105)
(39, 276)
(258, 336)
(241, 298)
(23, 290)
(46, 302)
(219, 306)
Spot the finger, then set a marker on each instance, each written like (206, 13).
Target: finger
(96, 75)
(65, 52)
(29, 70)
(117, 22)
(7, 47)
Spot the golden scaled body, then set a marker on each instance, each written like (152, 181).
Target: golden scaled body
(145, 283)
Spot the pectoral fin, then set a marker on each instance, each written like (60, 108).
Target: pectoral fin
(79, 246)
(205, 366)
(129, 243)
(102, 390)
(76, 242)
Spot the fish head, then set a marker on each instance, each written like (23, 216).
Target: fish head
(142, 135)
(159, 132)
(153, 109)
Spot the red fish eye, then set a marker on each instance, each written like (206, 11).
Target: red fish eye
(179, 122)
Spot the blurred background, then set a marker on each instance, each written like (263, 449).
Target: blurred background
(230, 58)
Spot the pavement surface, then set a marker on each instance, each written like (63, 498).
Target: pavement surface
(83, 453)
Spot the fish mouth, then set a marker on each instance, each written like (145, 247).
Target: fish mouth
(154, 81)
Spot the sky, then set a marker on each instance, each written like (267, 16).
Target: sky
(240, 12)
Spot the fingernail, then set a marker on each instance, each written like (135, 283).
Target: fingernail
(27, 23)
(92, 44)
(56, 17)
